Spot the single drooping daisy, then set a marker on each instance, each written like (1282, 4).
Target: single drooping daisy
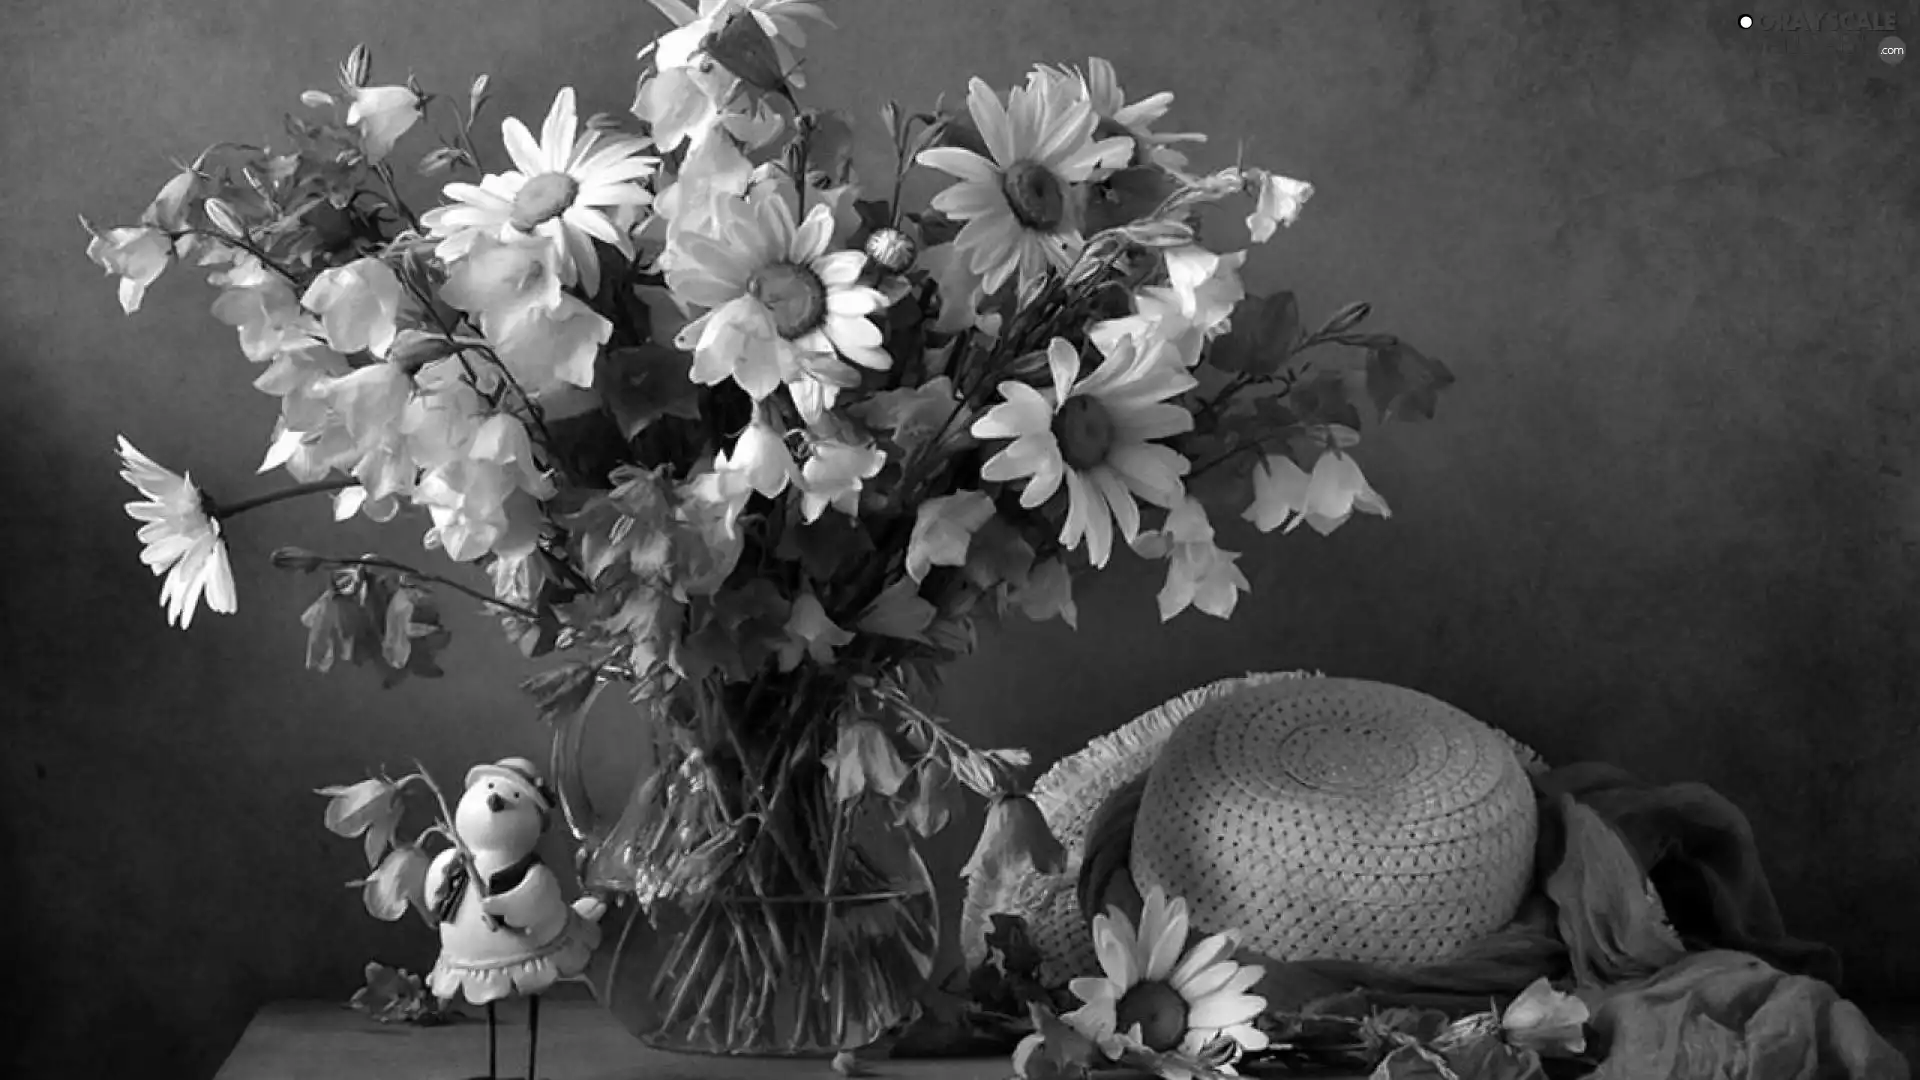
(780, 306)
(1095, 434)
(1156, 994)
(565, 187)
(182, 538)
(1020, 204)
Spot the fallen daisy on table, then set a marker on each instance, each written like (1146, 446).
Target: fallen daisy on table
(1183, 1012)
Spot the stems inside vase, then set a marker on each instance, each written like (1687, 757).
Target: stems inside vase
(795, 938)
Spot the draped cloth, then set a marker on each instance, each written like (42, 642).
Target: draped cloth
(1649, 903)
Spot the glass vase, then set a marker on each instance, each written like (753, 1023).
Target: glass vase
(754, 912)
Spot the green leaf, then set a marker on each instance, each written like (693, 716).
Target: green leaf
(709, 650)
(1265, 331)
(1404, 383)
(899, 613)
(1125, 197)
(955, 635)
(825, 545)
(998, 555)
(943, 528)
(1324, 399)
(642, 383)
(1064, 1053)
(561, 691)
(912, 414)
(830, 142)
(534, 637)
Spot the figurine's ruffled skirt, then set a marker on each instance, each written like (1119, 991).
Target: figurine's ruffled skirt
(531, 972)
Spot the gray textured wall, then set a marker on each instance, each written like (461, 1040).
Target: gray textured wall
(1666, 519)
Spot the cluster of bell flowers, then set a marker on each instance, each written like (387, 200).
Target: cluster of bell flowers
(766, 296)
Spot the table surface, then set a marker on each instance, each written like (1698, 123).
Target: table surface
(578, 1041)
(317, 1040)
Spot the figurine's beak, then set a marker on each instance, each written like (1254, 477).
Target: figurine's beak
(495, 803)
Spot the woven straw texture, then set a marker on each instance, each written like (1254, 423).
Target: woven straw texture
(1339, 819)
(1069, 795)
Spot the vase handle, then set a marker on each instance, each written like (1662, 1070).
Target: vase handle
(569, 776)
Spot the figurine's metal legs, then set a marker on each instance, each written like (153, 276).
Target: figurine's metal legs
(533, 1034)
(493, 1061)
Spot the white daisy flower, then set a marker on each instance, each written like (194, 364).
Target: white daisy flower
(1156, 994)
(1019, 205)
(182, 538)
(779, 305)
(566, 187)
(1095, 434)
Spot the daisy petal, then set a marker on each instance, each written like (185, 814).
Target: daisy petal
(521, 147)
(961, 163)
(1220, 1010)
(990, 116)
(1063, 360)
(556, 135)
(1199, 958)
(1114, 950)
(1126, 513)
(1043, 485)
(1023, 412)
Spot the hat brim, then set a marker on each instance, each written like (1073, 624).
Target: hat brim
(1069, 795)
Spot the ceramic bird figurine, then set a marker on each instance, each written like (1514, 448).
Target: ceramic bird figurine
(505, 928)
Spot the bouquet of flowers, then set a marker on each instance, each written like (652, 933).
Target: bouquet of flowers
(695, 410)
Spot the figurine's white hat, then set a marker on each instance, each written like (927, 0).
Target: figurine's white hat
(517, 770)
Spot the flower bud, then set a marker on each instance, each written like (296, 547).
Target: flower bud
(358, 66)
(892, 250)
(297, 558)
(224, 218)
(1346, 318)
(740, 45)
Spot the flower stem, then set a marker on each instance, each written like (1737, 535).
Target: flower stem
(383, 563)
(446, 819)
(250, 248)
(331, 483)
(385, 172)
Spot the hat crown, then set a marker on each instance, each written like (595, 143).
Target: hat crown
(1339, 819)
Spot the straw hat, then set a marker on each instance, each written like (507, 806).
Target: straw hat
(1324, 818)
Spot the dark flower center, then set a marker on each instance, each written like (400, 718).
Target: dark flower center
(1085, 431)
(795, 296)
(1159, 1010)
(1038, 198)
(542, 198)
